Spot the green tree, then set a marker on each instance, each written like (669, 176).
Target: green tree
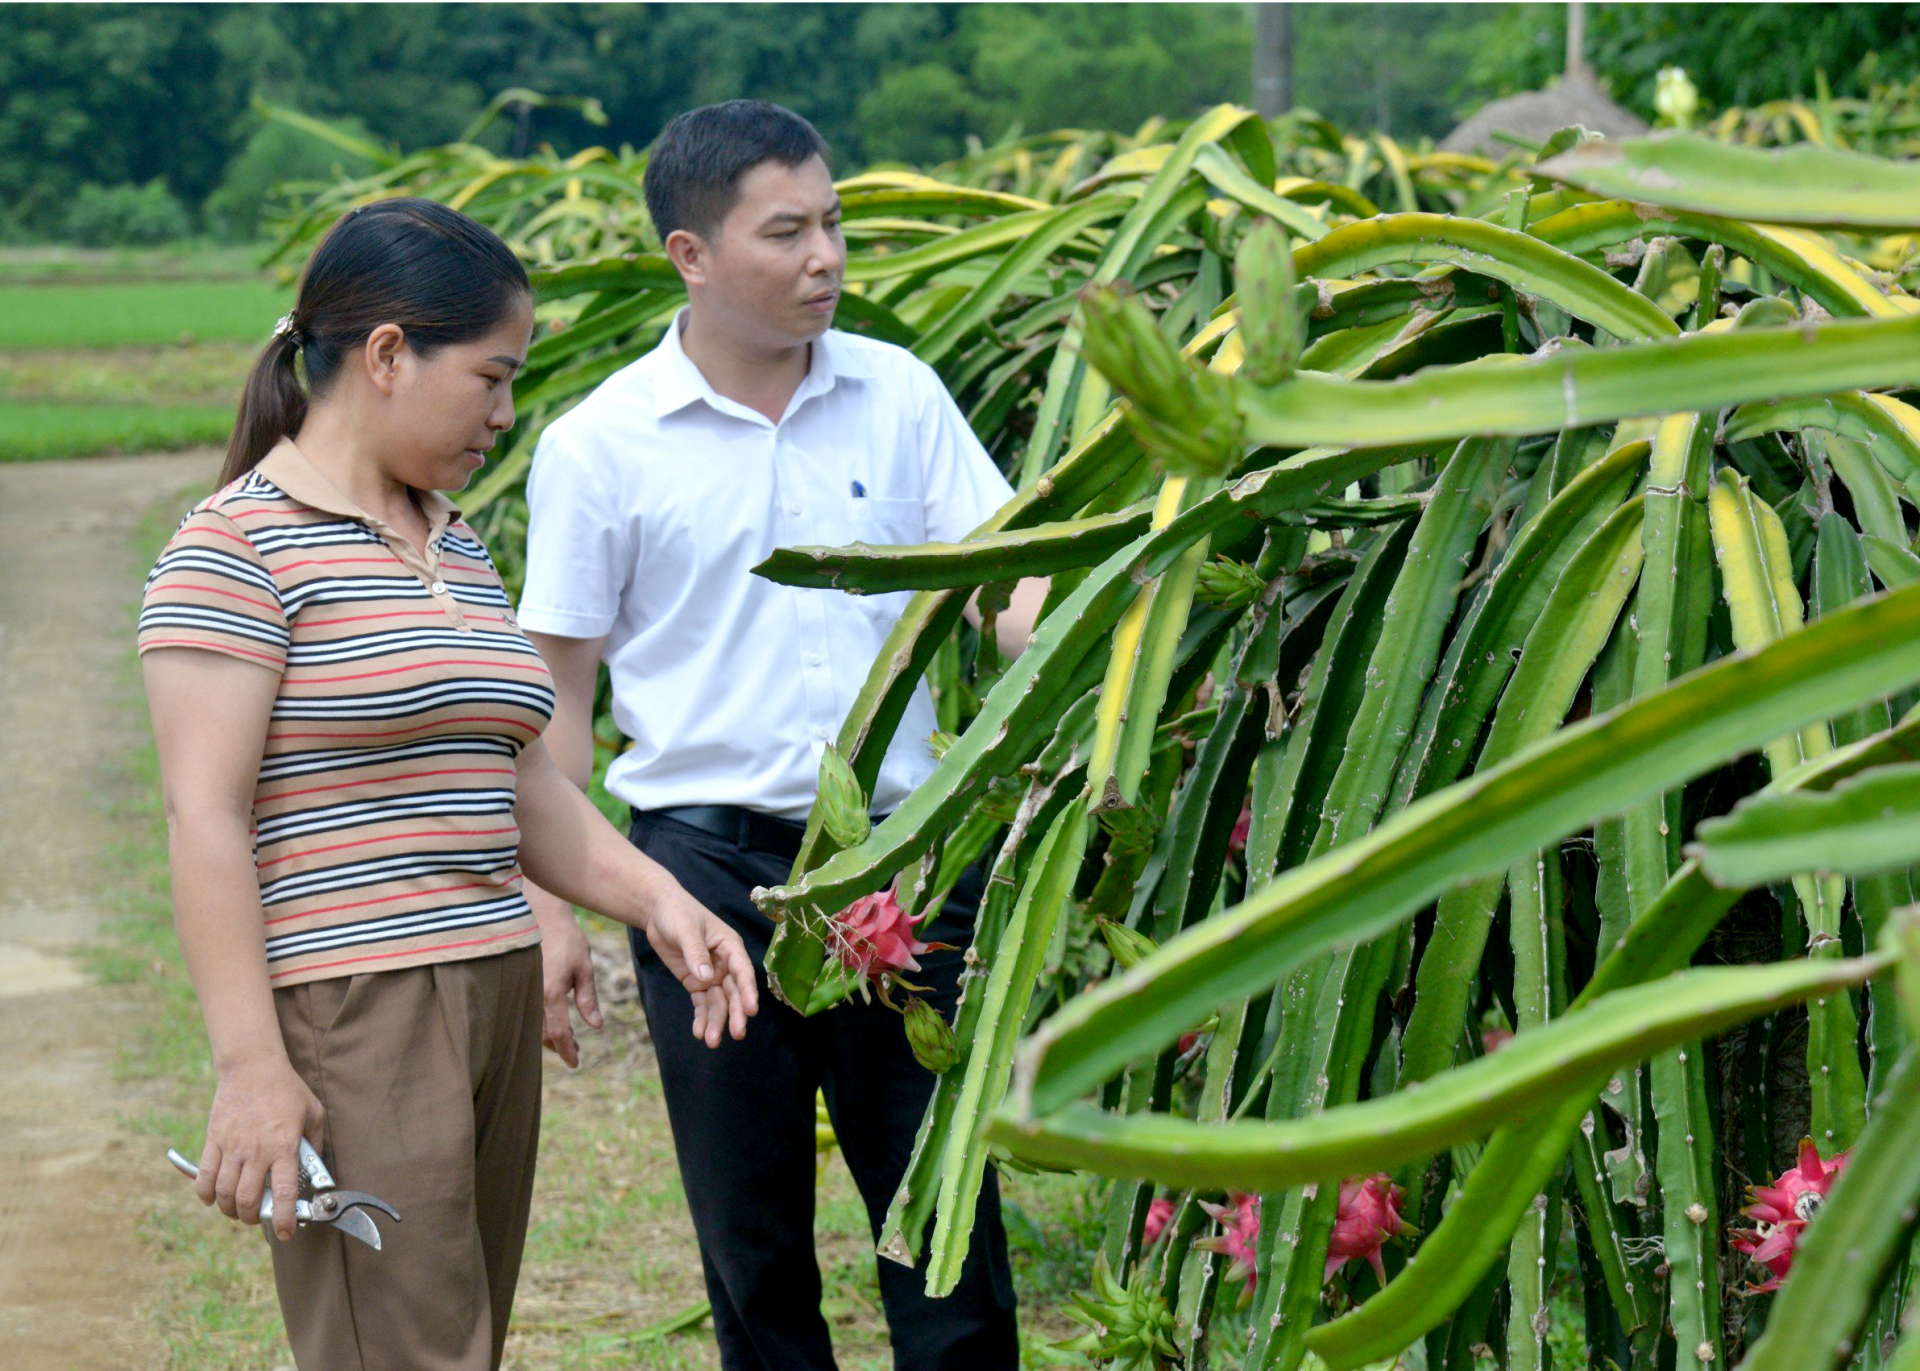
(1102, 66)
(275, 155)
(119, 94)
(1736, 54)
(918, 114)
(112, 94)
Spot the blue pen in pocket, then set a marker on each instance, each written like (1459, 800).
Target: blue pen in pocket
(859, 491)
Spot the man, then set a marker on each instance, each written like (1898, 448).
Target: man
(755, 425)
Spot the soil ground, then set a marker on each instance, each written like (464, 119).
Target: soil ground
(74, 1179)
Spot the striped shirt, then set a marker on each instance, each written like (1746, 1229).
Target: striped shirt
(384, 832)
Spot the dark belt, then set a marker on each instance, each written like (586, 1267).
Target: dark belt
(747, 829)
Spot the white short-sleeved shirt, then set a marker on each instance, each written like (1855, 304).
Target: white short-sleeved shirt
(652, 500)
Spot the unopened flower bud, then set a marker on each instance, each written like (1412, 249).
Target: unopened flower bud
(1228, 583)
(930, 1037)
(1675, 98)
(1127, 945)
(843, 804)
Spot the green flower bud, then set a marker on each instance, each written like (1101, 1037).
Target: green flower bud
(930, 1037)
(1132, 1327)
(1182, 414)
(1228, 583)
(1127, 945)
(843, 804)
(1273, 308)
(1675, 97)
(938, 742)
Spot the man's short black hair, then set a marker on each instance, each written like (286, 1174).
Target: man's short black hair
(693, 174)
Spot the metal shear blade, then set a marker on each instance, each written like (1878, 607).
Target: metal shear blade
(358, 1225)
(342, 1209)
(339, 1209)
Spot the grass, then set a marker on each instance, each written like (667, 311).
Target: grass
(40, 430)
(203, 373)
(126, 366)
(610, 1251)
(140, 312)
(193, 258)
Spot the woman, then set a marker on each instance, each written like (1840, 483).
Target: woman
(348, 720)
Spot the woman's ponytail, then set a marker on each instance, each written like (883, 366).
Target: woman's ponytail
(271, 406)
(436, 273)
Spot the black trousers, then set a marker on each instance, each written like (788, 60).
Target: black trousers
(743, 1127)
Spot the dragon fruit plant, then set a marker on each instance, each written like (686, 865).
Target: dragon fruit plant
(1526, 549)
(1530, 508)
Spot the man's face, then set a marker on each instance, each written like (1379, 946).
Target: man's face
(772, 271)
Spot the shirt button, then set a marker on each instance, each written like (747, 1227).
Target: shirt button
(794, 510)
(438, 587)
(815, 658)
(820, 732)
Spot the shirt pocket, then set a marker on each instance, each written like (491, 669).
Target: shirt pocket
(883, 521)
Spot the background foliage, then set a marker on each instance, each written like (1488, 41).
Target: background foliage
(124, 94)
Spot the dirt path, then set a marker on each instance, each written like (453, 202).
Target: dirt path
(73, 1275)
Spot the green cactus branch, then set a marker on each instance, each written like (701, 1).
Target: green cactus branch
(1590, 768)
(1831, 188)
(1575, 387)
(1565, 1057)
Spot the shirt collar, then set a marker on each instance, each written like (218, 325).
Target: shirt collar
(289, 469)
(677, 382)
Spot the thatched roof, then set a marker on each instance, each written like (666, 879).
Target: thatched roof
(1576, 98)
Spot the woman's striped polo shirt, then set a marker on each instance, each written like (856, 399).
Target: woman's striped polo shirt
(384, 831)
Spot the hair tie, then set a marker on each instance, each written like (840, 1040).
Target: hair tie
(285, 328)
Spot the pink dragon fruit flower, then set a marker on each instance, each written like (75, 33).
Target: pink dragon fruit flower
(1781, 1212)
(1369, 1215)
(1159, 1215)
(1237, 840)
(874, 938)
(1239, 1221)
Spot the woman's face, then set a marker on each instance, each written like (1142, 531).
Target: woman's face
(446, 409)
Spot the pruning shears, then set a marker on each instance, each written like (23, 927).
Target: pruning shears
(326, 1202)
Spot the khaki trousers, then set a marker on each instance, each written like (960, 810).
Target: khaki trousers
(431, 1082)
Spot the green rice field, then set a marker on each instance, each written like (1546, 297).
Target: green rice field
(127, 351)
(98, 314)
(36, 430)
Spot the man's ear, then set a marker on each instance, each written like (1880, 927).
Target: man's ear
(381, 356)
(689, 253)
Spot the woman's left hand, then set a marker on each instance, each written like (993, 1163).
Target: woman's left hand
(709, 959)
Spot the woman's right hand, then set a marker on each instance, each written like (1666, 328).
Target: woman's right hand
(261, 1109)
(707, 957)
